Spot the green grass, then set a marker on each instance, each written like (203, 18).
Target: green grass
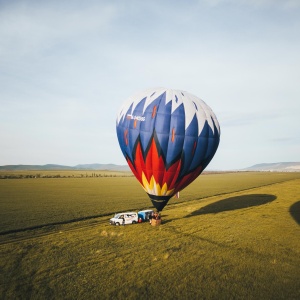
(31, 202)
(238, 242)
(240, 245)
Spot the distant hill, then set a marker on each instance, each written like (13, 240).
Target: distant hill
(110, 167)
(266, 167)
(276, 167)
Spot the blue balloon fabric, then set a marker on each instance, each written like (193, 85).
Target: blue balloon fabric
(168, 137)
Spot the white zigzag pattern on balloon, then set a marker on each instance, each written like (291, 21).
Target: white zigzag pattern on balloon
(177, 97)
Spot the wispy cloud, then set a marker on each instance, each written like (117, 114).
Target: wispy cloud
(27, 29)
(239, 118)
(287, 4)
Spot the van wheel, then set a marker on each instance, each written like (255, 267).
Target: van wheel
(133, 222)
(117, 224)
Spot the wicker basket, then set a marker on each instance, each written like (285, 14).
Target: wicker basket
(155, 222)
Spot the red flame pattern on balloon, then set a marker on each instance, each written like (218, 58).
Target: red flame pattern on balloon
(154, 176)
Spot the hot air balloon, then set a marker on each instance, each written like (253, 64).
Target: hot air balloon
(168, 137)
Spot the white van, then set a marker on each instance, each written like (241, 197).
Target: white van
(128, 217)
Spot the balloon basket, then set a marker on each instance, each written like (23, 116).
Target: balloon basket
(155, 222)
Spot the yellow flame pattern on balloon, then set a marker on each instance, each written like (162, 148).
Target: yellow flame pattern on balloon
(154, 188)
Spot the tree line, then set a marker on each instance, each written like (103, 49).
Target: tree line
(25, 176)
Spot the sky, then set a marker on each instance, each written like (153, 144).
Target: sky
(66, 67)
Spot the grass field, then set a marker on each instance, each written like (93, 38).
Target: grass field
(32, 202)
(240, 241)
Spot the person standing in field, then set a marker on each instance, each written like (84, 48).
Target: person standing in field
(123, 220)
(150, 217)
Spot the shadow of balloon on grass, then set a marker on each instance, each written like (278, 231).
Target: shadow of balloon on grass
(295, 212)
(233, 203)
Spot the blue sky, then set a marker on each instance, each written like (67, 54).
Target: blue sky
(67, 66)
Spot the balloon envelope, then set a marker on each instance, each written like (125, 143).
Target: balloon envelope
(168, 137)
